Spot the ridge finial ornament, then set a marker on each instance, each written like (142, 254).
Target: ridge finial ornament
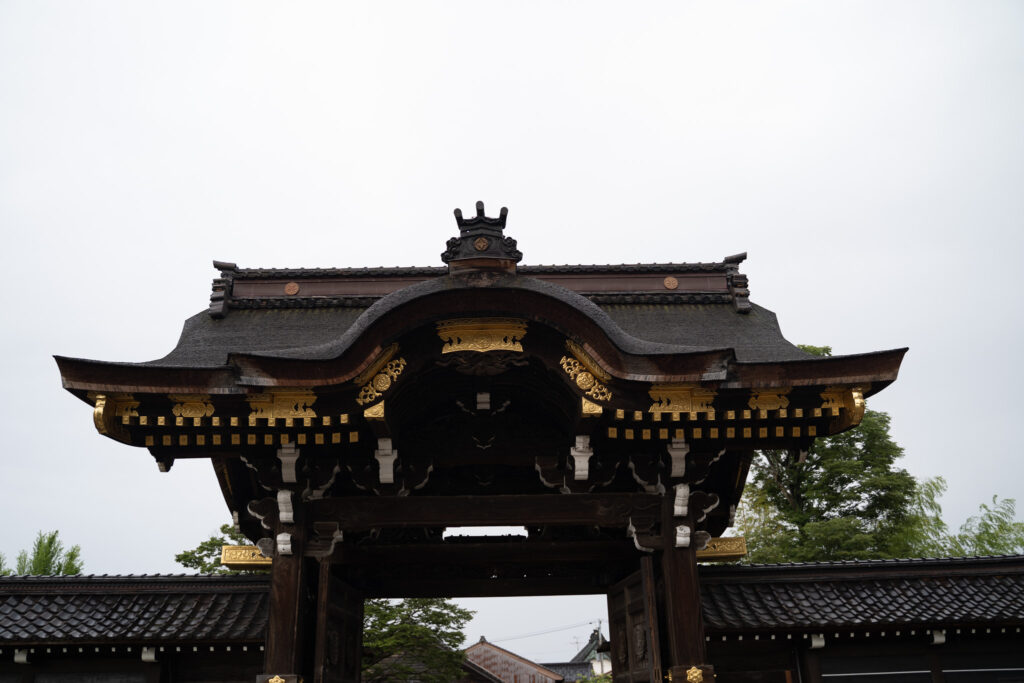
(498, 222)
(481, 244)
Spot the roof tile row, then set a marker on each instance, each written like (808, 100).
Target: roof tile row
(735, 599)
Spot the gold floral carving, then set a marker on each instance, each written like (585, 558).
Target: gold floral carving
(375, 412)
(109, 412)
(381, 381)
(680, 398)
(482, 334)
(693, 675)
(375, 367)
(590, 409)
(849, 398)
(584, 379)
(726, 549)
(191, 405)
(276, 679)
(290, 403)
(773, 399)
(243, 557)
(587, 361)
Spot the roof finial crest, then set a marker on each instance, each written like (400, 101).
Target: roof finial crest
(481, 244)
(481, 218)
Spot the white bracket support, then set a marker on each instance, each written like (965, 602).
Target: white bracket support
(20, 656)
(581, 453)
(631, 533)
(817, 641)
(337, 537)
(386, 456)
(713, 461)
(683, 536)
(483, 401)
(704, 512)
(149, 654)
(938, 636)
(285, 511)
(284, 544)
(681, 506)
(677, 451)
(288, 454)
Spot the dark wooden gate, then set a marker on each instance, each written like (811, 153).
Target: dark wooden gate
(339, 629)
(633, 623)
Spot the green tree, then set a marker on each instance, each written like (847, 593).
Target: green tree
(48, 557)
(843, 498)
(993, 531)
(205, 557)
(596, 678)
(413, 639)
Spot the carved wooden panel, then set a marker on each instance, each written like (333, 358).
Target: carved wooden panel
(339, 630)
(632, 615)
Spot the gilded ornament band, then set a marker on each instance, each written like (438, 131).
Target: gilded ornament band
(482, 334)
(681, 398)
(281, 404)
(243, 557)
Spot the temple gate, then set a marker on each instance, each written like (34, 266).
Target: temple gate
(351, 416)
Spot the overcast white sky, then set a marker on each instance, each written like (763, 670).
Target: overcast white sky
(869, 156)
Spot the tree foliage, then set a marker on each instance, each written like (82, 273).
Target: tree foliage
(205, 557)
(845, 498)
(993, 531)
(48, 557)
(413, 639)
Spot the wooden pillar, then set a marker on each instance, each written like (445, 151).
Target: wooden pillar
(289, 647)
(810, 665)
(682, 610)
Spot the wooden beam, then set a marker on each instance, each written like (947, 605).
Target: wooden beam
(585, 509)
(512, 551)
(482, 588)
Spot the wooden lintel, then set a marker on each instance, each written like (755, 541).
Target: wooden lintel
(484, 588)
(513, 551)
(585, 509)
